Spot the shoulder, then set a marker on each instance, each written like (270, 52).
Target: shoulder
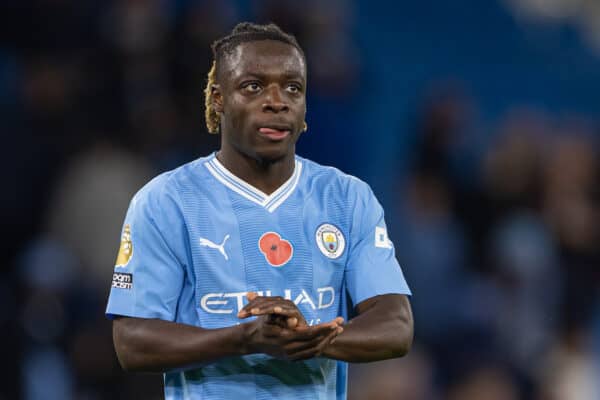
(327, 178)
(165, 189)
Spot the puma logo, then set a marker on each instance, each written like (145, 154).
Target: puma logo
(221, 247)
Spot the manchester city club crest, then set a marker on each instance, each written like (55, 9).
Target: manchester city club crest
(330, 241)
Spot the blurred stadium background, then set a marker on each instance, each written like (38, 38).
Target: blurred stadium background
(476, 123)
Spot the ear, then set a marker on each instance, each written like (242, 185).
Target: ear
(217, 97)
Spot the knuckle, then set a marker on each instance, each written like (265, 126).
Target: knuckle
(285, 333)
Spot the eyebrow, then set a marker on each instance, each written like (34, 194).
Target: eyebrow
(288, 75)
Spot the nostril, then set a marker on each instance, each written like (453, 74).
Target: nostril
(275, 107)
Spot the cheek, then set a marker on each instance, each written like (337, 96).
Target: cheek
(240, 120)
(236, 114)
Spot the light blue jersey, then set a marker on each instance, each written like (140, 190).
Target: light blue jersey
(197, 239)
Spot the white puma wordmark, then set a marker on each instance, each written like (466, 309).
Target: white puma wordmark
(212, 245)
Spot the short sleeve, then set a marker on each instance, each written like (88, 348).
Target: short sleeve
(372, 268)
(150, 267)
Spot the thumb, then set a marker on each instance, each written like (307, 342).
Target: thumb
(251, 296)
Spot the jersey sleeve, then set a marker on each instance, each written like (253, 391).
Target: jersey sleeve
(150, 267)
(372, 268)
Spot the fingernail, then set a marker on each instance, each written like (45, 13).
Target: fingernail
(278, 309)
(340, 329)
(255, 311)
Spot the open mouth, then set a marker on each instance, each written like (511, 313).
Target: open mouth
(275, 133)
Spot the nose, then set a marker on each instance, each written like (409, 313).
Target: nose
(274, 101)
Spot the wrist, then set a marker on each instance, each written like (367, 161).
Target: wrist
(333, 348)
(328, 351)
(244, 338)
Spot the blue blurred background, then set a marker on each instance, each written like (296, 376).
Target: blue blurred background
(475, 122)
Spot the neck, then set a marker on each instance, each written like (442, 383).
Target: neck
(265, 175)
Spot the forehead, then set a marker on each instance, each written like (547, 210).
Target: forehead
(264, 57)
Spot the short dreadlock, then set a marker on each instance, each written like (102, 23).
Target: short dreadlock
(242, 33)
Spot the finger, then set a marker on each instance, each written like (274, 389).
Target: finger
(245, 311)
(295, 346)
(330, 339)
(280, 320)
(256, 302)
(340, 330)
(303, 333)
(277, 309)
(339, 321)
(271, 305)
(324, 325)
(292, 322)
(274, 331)
(302, 323)
(260, 302)
(313, 351)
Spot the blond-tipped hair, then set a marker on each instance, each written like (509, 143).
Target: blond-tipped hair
(213, 119)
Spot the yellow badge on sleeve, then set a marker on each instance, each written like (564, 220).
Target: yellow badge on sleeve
(126, 248)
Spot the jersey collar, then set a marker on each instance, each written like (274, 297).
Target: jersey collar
(272, 201)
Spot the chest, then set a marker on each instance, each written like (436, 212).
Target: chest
(298, 252)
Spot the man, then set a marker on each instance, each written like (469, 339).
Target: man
(236, 271)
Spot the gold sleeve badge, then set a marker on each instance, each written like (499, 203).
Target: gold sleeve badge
(126, 248)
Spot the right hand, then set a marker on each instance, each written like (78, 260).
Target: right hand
(281, 331)
(269, 337)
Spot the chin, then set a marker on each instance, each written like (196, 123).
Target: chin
(270, 156)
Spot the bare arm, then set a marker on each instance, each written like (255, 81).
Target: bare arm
(382, 329)
(155, 345)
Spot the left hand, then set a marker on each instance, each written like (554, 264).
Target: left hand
(288, 328)
(280, 311)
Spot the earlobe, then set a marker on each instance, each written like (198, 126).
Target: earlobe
(217, 98)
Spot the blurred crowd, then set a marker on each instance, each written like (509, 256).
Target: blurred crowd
(584, 15)
(496, 226)
(502, 252)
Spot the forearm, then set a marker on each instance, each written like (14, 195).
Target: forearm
(383, 331)
(155, 345)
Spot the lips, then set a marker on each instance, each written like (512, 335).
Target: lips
(275, 133)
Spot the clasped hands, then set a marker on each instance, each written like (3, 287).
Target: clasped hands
(280, 330)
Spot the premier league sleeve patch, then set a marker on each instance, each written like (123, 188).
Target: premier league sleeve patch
(125, 248)
(330, 241)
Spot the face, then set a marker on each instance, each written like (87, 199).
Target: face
(262, 99)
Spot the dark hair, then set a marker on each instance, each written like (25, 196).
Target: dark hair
(242, 33)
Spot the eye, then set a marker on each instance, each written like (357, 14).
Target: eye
(294, 88)
(252, 87)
